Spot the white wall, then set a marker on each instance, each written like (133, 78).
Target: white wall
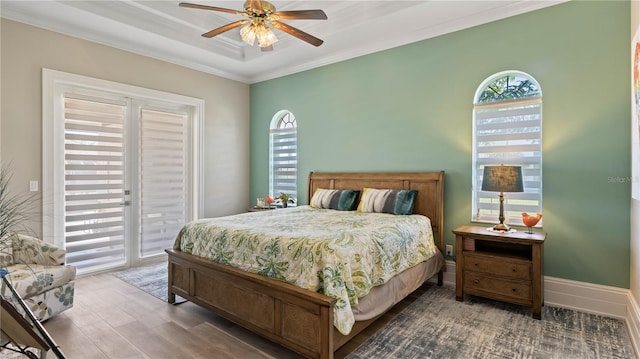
(25, 50)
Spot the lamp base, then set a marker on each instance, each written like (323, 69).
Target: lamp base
(501, 227)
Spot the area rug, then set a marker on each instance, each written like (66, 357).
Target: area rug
(149, 278)
(437, 326)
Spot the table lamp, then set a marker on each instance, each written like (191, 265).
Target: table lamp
(502, 179)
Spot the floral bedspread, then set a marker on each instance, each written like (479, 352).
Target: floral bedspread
(341, 254)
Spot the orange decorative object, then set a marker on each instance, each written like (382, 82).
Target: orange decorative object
(269, 200)
(530, 221)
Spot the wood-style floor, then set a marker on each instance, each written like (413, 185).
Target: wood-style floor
(112, 319)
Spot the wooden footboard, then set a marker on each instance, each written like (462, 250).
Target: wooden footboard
(298, 319)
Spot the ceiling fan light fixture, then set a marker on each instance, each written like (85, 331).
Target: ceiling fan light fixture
(260, 32)
(248, 35)
(265, 36)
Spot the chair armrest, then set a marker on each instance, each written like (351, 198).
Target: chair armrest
(30, 250)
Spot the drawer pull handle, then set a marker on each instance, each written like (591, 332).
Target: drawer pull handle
(475, 264)
(476, 281)
(513, 290)
(514, 270)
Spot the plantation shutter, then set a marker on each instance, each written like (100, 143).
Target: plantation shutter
(509, 132)
(163, 179)
(94, 163)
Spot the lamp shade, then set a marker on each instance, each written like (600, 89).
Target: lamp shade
(502, 179)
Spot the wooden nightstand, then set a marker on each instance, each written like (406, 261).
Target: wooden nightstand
(501, 266)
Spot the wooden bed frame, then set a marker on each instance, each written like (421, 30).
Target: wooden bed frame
(298, 319)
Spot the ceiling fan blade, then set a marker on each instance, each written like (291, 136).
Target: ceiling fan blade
(206, 7)
(224, 28)
(297, 33)
(300, 15)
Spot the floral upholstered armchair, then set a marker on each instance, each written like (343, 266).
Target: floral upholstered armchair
(37, 271)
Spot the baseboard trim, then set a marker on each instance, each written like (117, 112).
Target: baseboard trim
(633, 322)
(449, 277)
(586, 297)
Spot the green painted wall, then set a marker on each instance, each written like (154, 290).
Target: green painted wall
(409, 109)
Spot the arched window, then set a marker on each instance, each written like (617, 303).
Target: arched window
(507, 129)
(283, 154)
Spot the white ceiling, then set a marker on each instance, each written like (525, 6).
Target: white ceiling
(162, 30)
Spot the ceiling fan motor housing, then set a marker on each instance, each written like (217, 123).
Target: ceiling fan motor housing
(267, 9)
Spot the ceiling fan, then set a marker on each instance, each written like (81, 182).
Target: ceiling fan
(260, 14)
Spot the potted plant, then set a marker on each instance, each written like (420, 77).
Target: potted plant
(285, 199)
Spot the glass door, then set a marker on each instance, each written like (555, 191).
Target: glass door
(95, 196)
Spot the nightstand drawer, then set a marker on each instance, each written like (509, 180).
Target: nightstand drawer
(481, 285)
(497, 266)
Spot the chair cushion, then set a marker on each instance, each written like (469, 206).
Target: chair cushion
(47, 304)
(33, 279)
(28, 249)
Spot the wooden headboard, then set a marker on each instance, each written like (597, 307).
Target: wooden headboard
(429, 201)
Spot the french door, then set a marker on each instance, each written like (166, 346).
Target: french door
(124, 176)
(95, 218)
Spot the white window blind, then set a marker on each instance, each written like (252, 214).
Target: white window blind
(94, 164)
(284, 155)
(163, 179)
(508, 130)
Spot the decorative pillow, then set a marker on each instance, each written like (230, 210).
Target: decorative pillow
(342, 200)
(387, 201)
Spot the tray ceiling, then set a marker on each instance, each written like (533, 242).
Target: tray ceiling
(162, 30)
